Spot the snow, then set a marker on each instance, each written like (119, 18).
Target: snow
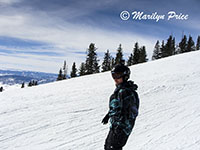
(66, 115)
(10, 87)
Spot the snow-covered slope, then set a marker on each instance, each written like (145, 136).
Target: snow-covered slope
(67, 115)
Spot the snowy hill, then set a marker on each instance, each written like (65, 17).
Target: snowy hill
(66, 115)
(14, 78)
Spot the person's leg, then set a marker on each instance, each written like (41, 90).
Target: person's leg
(115, 140)
(108, 141)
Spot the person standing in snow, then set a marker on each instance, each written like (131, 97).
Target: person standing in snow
(123, 109)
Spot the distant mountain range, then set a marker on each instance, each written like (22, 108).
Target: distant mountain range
(11, 77)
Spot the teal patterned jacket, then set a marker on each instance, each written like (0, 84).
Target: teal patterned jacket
(123, 107)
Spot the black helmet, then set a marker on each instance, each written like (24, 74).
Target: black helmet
(121, 71)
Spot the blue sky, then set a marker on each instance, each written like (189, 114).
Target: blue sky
(39, 35)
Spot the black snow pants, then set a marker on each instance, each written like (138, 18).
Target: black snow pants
(115, 140)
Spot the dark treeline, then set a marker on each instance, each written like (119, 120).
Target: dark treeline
(171, 48)
(138, 55)
(91, 64)
(30, 84)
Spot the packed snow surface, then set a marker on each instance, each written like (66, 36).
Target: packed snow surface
(66, 115)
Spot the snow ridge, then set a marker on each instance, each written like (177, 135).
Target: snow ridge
(66, 115)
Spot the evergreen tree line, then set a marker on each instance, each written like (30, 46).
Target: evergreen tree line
(138, 55)
(91, 64)
(170, 48)
(30, 84)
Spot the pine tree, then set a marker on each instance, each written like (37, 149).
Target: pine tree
(74, 71)
(33, 83)
(30, 84)
(198, 43)
(64, 70)
(183, 44)
(106, 65)
(190, 45)
(96, 67)
(22, 85)
(173, 46)
(157, 51)
(60, 75)
(112, 62)
(82, 70)
(136, 54)
(119, 55)
(143, 55)
(130, 60)
(169, 47)
(162, 50)
(91, 64)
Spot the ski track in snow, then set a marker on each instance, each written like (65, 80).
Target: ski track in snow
(66, 115)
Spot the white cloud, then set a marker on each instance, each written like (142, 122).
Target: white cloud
(8, 2)
(65, 37)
